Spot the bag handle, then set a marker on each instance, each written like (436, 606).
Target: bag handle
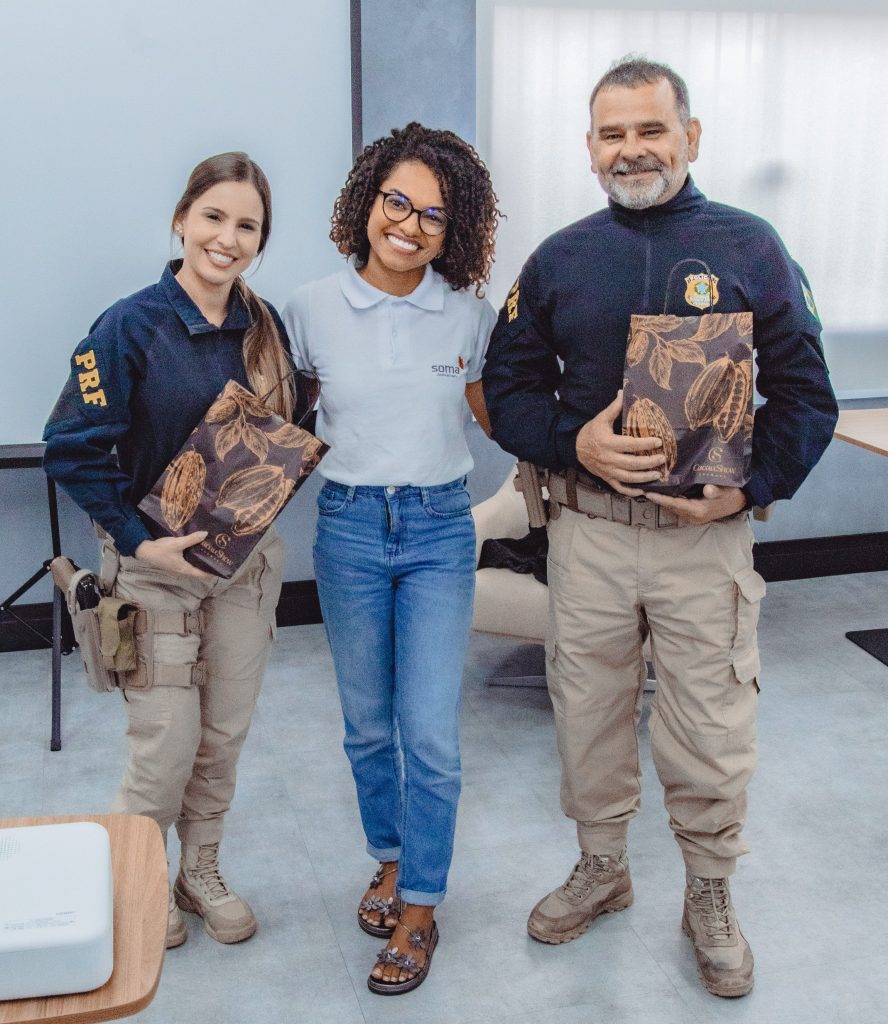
(313, 387)
(675, 267)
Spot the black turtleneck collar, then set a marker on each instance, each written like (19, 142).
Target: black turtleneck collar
(687, 199)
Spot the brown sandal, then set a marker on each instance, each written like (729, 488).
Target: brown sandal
(378, 905)
(417, 939)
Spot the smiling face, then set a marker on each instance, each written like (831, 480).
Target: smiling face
(221, 235)
(639, 147)
(400, 251)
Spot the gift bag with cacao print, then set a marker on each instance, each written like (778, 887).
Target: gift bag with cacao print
(233, 476)
(688, 381)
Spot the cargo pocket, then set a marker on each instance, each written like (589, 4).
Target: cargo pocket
(749, 591)
(270, 583)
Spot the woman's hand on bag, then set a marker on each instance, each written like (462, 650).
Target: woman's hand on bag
(166, 553)
(615, 458)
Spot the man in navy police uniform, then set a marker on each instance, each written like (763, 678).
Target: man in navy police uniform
(624, 564)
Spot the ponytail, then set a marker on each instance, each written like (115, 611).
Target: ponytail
(267, 362)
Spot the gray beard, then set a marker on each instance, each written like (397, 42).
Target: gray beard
(642, 197)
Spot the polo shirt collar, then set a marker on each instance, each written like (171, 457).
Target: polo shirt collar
(428, 294)
(238, 318)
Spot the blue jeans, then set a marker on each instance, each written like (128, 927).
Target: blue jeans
(395, 568)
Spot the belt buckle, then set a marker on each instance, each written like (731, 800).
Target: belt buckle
(644, 513)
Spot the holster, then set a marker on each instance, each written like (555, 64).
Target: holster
(105, 633)
(116, 638)
(529, 483)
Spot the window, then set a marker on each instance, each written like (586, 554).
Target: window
(795, 129)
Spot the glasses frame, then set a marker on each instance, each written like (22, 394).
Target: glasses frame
(419, 213)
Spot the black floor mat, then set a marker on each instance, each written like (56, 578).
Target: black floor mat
(873, 641)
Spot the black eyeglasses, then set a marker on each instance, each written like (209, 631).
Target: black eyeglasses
(398, 208)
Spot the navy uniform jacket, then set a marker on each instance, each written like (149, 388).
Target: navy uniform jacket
(141, 380)
(573, 301)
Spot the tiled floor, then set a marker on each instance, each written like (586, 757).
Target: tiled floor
(812, 897)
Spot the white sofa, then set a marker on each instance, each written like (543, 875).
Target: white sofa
(508, 604)
(511, 604)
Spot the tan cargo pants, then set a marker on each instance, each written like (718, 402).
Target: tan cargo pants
(186, 732)
(695, 591)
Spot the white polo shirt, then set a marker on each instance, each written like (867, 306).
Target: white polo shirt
(393, 372)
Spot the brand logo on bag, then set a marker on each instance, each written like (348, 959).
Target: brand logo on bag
(216, 552)
(697, 290)
(715, 454)
(222, 540)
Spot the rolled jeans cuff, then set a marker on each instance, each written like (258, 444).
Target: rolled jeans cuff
(392, 853)
(709, 867)
(421, 899)
(602, 839)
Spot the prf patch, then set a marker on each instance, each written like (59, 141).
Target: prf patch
(512, 303)
(809, 300)
(89, 380)
(697, 290)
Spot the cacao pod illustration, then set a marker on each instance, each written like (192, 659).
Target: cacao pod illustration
(221, 410)
(182, 488)
(748, 424)
(710, 391)
(638, 345)
(251, 405)
(289, 436)
(255, 496)
(729, 418)
(646, 419)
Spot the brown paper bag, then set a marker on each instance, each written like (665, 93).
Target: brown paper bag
(688, 381)
(233, 476)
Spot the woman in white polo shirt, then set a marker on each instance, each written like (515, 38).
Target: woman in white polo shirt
(398, 338)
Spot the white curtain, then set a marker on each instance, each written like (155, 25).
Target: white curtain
(795, 129)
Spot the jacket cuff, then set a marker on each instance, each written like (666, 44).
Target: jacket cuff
(126, 540)
(566, 448)
(757, 493)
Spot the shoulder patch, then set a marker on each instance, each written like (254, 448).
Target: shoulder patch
(809, 300)
(512, 301)
(90, 380)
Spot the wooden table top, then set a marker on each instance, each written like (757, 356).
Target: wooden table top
(138, 862)
(867, 428)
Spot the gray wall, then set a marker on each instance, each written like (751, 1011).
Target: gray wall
(418, 64)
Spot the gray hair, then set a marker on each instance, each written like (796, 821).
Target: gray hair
(631, 71)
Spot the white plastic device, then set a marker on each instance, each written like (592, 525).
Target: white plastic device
(56, 909)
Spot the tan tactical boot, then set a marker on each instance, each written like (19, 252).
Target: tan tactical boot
(201, 889)
(597, 885)
(177, 933)
(724, 959)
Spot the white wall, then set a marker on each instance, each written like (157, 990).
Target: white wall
(107, 105)
(794, 127)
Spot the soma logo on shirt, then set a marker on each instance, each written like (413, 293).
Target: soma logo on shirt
(449, 369)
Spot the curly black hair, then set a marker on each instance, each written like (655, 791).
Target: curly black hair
(472, 213)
